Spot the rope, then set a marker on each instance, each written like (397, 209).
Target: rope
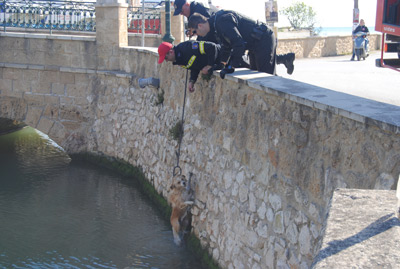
(177, 169)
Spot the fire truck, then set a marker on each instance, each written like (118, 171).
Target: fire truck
(388, 23)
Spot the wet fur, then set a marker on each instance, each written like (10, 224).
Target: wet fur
(181, 199)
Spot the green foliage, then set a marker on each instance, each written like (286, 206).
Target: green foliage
(206, 77)
(176, 132)
(160, 98)
(300, 16)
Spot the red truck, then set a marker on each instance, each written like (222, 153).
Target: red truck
(388, 23)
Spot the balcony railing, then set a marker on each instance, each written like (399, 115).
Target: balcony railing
(69, 16)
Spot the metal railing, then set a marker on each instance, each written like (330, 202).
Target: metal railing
(151, 20)
(48, 14)
(68, 15)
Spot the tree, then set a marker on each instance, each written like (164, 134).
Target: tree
(300, 16)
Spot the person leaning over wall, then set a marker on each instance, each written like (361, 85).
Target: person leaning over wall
(198, 56)
(183, 7)
(237, 33)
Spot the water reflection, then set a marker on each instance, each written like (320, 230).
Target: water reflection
(55, 213)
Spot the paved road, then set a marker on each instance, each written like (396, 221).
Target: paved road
(359, 78)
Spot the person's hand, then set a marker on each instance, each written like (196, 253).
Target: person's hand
(191, 86)
(205, 69)
(189, 33)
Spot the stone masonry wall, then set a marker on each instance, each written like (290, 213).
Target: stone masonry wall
(312, 47)
(265, 161)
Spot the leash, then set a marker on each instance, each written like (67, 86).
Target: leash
(177, 169)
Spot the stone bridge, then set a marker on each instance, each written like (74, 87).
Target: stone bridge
(267, 153)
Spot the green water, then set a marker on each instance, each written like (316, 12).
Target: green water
(57, 213)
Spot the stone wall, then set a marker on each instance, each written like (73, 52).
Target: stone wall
(266, 152)
(312, 47)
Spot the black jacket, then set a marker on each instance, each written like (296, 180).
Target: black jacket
(199, 8)
(361, 29)
(206, 12)
(195, 55)
(235, 33)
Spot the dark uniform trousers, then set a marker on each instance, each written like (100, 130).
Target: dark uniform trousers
(262, 56)
(238, 33)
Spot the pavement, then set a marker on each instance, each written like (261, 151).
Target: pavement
(362, 231)
(359, 78)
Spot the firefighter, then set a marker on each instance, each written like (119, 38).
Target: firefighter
(183, 7)
(237, 33)
(198, 56)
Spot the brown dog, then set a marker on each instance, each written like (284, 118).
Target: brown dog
(181, 198)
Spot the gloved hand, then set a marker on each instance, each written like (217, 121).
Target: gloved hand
(226, 70)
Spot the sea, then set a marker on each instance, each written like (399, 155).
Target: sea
(334, 31)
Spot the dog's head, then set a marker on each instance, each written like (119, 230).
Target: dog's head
(178, 183)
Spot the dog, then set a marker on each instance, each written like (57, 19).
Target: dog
(181, 199)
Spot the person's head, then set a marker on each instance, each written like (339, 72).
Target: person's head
(362, 22)
(199, 24)
(182, 7)
(166, 52)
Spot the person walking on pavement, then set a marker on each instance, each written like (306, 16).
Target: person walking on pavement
(361, 28)
(237, 33)
(198, 56)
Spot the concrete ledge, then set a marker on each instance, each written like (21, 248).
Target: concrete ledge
(362, 231)
(382, 115)
(69, 69)
(47, 36)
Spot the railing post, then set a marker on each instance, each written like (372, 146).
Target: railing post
(4, 14)
(168, 37)
(143, 22)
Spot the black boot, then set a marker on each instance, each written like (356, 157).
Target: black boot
(287, 60)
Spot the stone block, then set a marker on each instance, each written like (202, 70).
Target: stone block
(41, 86)
(11, 93)
(51, 100)
(49, 76)
(58, 88)
(33, 116)
(34, 99)
(21, 85)
(67, 78)
(12, 73)
(76, 90)
(51, 111)
(5, 84)
(45, 125)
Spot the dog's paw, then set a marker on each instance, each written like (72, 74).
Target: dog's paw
(177, 241)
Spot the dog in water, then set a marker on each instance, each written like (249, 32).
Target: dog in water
(181, 199)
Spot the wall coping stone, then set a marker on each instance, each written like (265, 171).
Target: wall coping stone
(48, 36)
(121, 74)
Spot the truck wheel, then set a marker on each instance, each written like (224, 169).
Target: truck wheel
(378, 62)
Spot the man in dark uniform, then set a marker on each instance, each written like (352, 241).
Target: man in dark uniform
(183, 7)
(237, 33)
(198, 56)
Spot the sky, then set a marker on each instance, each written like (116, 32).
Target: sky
(338, 13)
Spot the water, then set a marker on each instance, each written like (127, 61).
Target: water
(55, 213)
(335, 31)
